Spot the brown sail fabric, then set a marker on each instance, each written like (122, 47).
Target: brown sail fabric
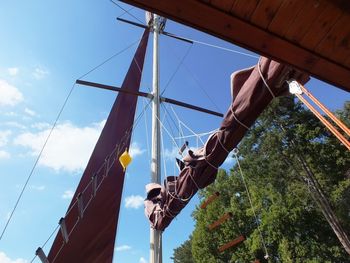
(252, 90)
(92, 217)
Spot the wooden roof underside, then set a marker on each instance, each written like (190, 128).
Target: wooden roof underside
(312, 35)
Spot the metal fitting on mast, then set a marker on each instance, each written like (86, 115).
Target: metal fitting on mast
(155, 22)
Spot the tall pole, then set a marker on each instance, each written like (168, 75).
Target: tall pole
(155, 235)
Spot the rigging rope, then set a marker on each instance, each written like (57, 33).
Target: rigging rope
(188, 128)
(235, 153)
(196, 80)
(147, 134)
(126, 11)
(219, 47)
(177, 69)
(36, 161)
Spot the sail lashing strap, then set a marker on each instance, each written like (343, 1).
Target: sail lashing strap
(80, 205)
(41, 255)
(63, 228)
(94, 184)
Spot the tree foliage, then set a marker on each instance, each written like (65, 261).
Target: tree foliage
(183, 253)
(290, 220)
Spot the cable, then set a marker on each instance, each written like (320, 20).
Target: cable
(110, 58)
(220, 47)
(177, 69)
(235, 153)
(147, 134)
(196, 81)
(126, 11)
(36, 161)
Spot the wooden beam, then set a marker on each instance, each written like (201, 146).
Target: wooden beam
(204, 17)
(220, 221)
(232, 243)
(210, 199)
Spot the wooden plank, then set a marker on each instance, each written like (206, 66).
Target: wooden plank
(304, 19)
(224, 5)
(207, 19)
(220, 221)
(210, 199)
(285, 16)
(321, 25)
(336, 44)
(244, 8)
(232, 243)
(265, 12)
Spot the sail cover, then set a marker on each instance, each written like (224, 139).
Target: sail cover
(252, 90)
(89, 227)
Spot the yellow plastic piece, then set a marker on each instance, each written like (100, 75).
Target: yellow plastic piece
(125, 159)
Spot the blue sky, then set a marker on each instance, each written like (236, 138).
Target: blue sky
(45, 46)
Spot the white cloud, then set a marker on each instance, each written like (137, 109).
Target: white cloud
(68, 194)
(13, 71)
(14, 124)
(69, 147)
(4, 155)
(4, 137)
(10, 114)
(170, 155)
(40, 73)
(142, 260)
(40, 125)
(134, 201)
(38, 188)
(10, 95)
(135, 150)
(5, 259)
(30, 112)
(122, 248)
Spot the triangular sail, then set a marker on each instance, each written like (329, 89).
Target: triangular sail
(89, 228)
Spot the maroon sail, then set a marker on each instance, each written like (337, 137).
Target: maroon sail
(88, 230)
(252, 90)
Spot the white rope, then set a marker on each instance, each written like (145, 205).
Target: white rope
(235, 117)
(163, 152)
(263, 79)
(169, 134)
(147, 134)
(199, 134)
(188, 128)
(220, 47)
(235, 153)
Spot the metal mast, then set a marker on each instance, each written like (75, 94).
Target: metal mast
(157, 24)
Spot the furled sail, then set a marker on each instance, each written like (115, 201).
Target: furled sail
(252, 90)
(88, 230)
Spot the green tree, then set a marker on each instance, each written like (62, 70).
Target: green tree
(292, 223)
(183, 253)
